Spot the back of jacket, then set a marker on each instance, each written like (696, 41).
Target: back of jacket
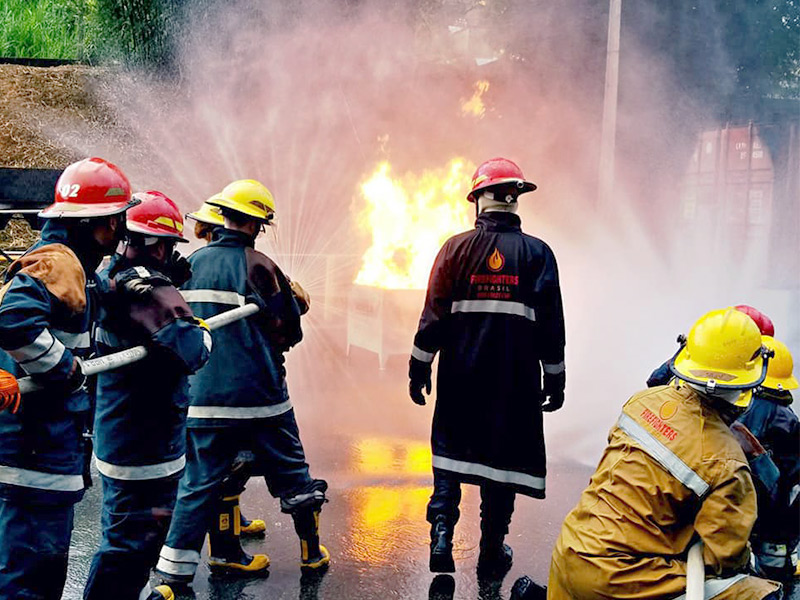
(671, 467)
(47, 311)
(141, 408)
(245, 376)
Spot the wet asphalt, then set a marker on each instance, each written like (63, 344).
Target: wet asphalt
(363, 435)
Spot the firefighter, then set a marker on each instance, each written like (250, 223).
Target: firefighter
(239, 400)
(672, 471)
(140, 423)
(493, 311)
(776, 432)
(48, 306)
(208, 222)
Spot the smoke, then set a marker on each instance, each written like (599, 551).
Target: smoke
(308, 98)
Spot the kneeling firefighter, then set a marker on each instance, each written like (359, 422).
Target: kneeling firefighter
(777, 433)
(208, 223)
(672, 471)
(240, 401)
(48, 308)
(140, 424)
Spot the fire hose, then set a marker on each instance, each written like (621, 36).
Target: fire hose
(695, 573)
(101, 364)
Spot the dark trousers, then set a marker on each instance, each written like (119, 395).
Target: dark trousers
(135, 520)
(277, 455)
(497, 503)
(34, 547)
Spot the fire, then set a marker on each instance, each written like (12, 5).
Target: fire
(409, 218)
(475, 106)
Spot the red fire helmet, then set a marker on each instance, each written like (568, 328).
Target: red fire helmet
(91, 187)
(156, 215)
(498, 171)
(763, 321)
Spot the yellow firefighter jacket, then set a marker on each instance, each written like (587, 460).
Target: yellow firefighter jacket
(671, 468)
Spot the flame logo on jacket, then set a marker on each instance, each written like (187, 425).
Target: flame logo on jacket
(496, 261)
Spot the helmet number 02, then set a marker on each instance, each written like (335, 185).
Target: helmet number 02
(70, 190)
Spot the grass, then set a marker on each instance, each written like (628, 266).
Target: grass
(59, 29)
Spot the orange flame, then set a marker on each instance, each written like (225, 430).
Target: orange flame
(409, 218)
(475, 106)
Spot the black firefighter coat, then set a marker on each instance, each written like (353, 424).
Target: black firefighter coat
(493, 313)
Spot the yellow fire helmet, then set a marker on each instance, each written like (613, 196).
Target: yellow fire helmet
(208, 214)
(780, 374)
(722, 352)
(246, 196)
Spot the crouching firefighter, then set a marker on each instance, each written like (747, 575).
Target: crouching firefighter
(240, 401)
(208, 222)
(776, 431)
(48, 307)
(672, 472)
(493, 313)
(140, 425)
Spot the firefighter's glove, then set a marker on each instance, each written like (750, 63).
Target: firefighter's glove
(139, 288)
(302, 297)
(419, 374)
(179, 269)
(749, 443)
(76, 378)
(553, 389)
(9, 392)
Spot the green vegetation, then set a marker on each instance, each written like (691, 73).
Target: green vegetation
(132, 31)
(46, 29)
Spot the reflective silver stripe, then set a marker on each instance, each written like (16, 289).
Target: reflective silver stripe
(73, 341)
(426, 357)
(45, 362)
(663, 455)
(104, 336)
(500, 475)
(207, 341)
(140, 473)
(553, 368)
(42, 481)
(213, 296)
(494, 306)
(142, 272)
(38, 347)
(175, 561)
(714, 587)
(238, 412)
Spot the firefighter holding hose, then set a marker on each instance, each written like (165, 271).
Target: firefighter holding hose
(493, 313)
(140, 428)
(672, 470)
(48, 307)
(240, 401)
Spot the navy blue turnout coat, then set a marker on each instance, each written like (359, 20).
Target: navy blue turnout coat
(493, 312)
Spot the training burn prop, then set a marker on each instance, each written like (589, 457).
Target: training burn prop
(131, 355)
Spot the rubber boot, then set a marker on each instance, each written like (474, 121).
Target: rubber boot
(527, 589)
(161, 592)
(251, 528)
(441, 559)
(495, 558)
(313, 555)
(225, 554)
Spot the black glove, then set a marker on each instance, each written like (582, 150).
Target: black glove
(76, 379)
(178, 269)
(139, 288)
(554, 391)
(419, 374)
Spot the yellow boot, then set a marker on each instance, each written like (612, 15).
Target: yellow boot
(225, 554)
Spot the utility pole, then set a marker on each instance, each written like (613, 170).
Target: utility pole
(609, 131)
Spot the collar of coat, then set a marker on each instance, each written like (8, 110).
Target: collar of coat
(498, 221)
(231, 238)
